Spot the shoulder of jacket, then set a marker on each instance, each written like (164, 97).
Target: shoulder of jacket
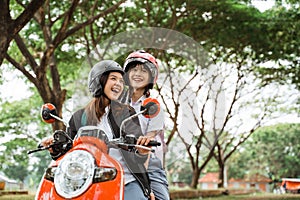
(125, 109)
(118, 104)
(78, 113)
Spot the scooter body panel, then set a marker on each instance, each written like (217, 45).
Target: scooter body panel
(107, 190)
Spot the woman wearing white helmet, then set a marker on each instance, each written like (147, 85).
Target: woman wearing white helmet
(141, 73)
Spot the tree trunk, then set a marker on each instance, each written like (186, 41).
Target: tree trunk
(221, 174)
(59, 125)
(225, 180)
(196, 174)
(58, 101)
(5, 21)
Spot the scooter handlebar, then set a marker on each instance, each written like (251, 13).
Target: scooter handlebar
(38, 149)
(153, 143)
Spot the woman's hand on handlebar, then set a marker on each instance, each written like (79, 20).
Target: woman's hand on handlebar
(143, 141)
(46, 142)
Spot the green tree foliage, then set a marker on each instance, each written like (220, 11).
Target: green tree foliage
(21, 129)
(231, 24)
(273, 149)
(283, 30)
(237, 28)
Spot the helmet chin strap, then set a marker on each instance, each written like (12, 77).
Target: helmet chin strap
(105, 96)
(99, 93)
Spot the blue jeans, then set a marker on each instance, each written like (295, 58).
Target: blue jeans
(159, 188)
(158, 179)
(133, 191)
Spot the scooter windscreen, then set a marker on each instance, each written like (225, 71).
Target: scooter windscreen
(92, 131)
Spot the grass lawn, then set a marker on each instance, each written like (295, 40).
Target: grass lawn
(229, 197)
(254, 197)
(17, 197)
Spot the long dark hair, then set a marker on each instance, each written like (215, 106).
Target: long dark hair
(95, 109)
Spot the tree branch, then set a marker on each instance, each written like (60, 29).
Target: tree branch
(63, 33)
(30, 59)
(27, 15)
(20, 68)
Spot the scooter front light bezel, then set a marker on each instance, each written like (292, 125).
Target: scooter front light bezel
(74, 174)
(104, 174)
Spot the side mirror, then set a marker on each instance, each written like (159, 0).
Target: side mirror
(48, 110)
(152, 107)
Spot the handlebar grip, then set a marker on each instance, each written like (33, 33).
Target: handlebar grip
(154, 143)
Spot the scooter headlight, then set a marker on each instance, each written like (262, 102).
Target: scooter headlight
(74, 174)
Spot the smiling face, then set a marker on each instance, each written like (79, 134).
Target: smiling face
(139, 76)
(114, 85)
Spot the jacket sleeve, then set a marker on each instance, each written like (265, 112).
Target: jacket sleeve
(75, 123)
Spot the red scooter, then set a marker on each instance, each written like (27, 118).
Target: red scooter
(86, 170)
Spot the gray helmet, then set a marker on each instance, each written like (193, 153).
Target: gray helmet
(97, 72)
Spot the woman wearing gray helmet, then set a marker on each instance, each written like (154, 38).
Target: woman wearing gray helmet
(105, 82)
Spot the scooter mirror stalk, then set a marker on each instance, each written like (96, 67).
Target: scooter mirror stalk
(151, 107)
(49, 114)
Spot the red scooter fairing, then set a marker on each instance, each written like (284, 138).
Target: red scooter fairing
(85, 172)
